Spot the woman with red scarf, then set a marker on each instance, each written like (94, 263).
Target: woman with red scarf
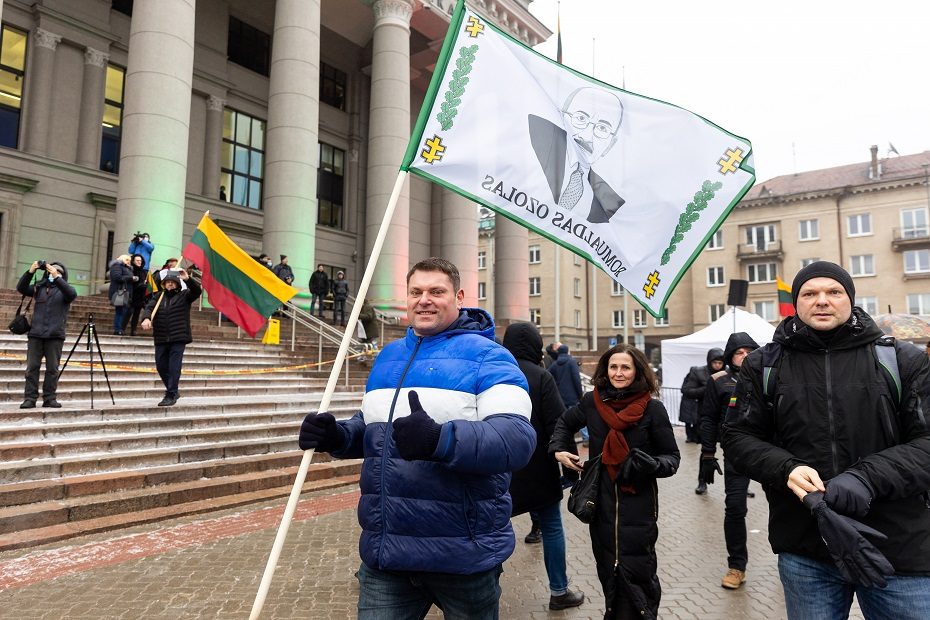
(632, 433)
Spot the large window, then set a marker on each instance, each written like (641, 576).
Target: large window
(918, 303)
(760, 236)
(332, 86)
(809, 230)
(917, 261)
(639, 318)
(535, 316)
(869, 304)
(765, 309)
(12, 71)
(534, 287)
(616, 289)
(617, 318)
(248, 46)
(123, 6)
(534, 255)
(576, 287)
(862, 265)
(243, 155)
(577, 316)
(112, 119)
(482, 290)
(716, 240)
(715, 311)
(662, 321)
(761, 272)
(482, 260)
(914, 223)
(858, 225)
(715, 276)
(330, 185)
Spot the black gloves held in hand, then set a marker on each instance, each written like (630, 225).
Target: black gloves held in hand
(848, 494)
(320, 432)
(856, 558)
(709, 465)
(416, 435)
(638, 463)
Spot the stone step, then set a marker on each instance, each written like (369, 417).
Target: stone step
(35, 535)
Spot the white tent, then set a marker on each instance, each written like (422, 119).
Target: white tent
(680, 354)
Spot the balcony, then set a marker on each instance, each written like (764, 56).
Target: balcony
(910, 237)
(756, 251)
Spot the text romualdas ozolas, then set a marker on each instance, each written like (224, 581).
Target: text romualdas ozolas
(558, 219)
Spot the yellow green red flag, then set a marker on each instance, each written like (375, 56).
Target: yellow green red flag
(785, 306)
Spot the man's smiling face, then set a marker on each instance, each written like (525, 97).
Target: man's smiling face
(432, 303)
(594, 118)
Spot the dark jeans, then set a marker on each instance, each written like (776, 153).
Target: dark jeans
(395, 595)
(692, 433)
(38, 348)
(134, 318)
(736, 485)
(314, 300)
(339, 306)
(119, 317)
(550, 524)
(168, 359)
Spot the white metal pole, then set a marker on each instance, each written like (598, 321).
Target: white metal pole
(558, 294)
(593, 307)
(324, 403)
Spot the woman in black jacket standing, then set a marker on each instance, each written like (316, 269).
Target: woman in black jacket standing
(632, 434)
(139, 289)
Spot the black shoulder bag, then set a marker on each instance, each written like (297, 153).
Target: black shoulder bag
(582, 499)
(20, 322)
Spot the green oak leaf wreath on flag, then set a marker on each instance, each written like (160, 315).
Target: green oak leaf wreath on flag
(634, 185)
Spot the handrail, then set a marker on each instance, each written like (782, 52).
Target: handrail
(325, 330)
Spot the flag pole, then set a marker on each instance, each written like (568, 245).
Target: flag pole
(324, 403)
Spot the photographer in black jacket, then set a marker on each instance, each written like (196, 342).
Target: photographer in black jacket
(52, 299)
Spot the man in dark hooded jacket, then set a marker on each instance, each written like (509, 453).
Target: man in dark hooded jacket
(537, 488)
(717, 402)
(168, 315)
(831, 421)
(52, 297)
(692, 393)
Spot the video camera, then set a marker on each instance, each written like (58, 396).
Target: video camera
(40, 264)
(137, 237)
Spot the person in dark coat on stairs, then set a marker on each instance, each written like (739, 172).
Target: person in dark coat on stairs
(168, 315)
(52, 296)
(139, 289)
(537, 488)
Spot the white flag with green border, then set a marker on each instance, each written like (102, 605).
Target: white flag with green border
(634, 185)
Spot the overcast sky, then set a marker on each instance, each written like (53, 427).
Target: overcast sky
(811, 84)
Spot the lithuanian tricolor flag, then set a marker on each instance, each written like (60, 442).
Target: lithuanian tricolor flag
(240, 287)
(785, 307)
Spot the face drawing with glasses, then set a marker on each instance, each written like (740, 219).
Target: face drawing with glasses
(593, 118)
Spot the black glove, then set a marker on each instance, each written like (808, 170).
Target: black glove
(709, 465)
(856, 558)
(848, 494)
(416, 435)
(320, 432)
(638, 463)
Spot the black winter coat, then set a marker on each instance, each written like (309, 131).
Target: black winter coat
(539, 483)
(139, 286)
(340, 289)
(319, 283)
(120, 277)
(51, 302)
(833, 410)
(692, 389)
(716, 402)
(636, 588)
(172, 321)
(567, 377)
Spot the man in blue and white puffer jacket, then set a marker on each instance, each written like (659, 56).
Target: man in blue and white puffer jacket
(444, 420)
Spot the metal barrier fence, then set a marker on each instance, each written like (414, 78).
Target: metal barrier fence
(671, 398)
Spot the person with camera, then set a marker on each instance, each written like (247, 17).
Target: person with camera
(140, 244)
(168, 315)
(52, 296)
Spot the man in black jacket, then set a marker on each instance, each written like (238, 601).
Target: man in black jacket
(52, 297)
(692, 393)
(537, 488)
(833, 423)
(319, 287)
(168, 315)
(714, 409)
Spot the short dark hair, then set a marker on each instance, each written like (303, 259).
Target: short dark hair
(645, 378)
(438, 264)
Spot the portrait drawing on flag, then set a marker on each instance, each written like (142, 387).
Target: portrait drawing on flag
(567, 154)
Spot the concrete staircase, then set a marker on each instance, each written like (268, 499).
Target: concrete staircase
(230, 440)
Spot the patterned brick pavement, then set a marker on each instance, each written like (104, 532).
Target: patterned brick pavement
(210, 566)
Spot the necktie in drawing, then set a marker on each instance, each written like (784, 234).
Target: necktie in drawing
(572, 193)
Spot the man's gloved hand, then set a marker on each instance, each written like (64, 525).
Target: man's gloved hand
(416, 435)
(848, 494)
(638, 463)
(708, 466)
(320, 432)
(856, 558)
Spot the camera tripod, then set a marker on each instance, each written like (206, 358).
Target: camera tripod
(91, 331)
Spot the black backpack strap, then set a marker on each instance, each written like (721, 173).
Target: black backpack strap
(886, 354)
(771, 354)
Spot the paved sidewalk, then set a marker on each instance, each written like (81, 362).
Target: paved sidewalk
(210, 566)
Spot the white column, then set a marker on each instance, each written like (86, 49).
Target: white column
(511, 272)
(388, 133)
(213, 148)
(291, 157)
(41, 71)
(460, 240)
(156, 125)
(93, 93)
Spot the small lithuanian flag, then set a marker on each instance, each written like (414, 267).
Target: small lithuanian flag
(785, 307)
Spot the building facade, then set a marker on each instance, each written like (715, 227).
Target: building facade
(871, 218)
(287, 120)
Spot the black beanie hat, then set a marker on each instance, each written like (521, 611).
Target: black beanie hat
(283, 256)
(823, 269)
